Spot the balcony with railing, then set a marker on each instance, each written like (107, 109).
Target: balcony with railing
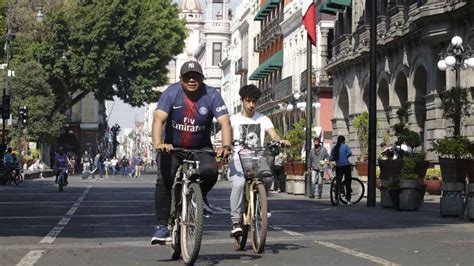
(217, 26)
(342, 48)
(283, 88)
(269, 33)
(241, 66)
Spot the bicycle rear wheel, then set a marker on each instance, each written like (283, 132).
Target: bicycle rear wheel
(192, 224)
(259, 220)
(335, 194)
(175, 245)
(358, 191)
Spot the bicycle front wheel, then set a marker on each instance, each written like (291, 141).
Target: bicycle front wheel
(192, 224)
(61, 182)
(17, 179)
(335, 194)
(259, 223)
(358, 191)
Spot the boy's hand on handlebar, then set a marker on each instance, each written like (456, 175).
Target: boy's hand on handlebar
(165, 147)
(285, 143)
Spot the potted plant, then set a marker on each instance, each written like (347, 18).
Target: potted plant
(454, 151)
(361, 125)
(390, 193)
(294, 164)
(411, 185)
(433, 181)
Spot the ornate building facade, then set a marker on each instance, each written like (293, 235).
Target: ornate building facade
(410, 36)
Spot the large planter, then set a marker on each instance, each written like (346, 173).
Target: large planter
(294, 168)
(454, 170)
(411, 194)
(362, 168)
(421, 166)
(390, 168)
(433, 187)
(470, 172)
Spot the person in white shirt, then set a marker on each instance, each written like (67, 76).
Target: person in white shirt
(113, 164)
(250, 126)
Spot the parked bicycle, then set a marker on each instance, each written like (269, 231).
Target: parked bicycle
(338, 192)
(254, 162)
(62, 178)
(186, 215)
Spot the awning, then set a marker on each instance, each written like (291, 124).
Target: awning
(270, 65)
(266, 8)
(323, 8)
(339, 4)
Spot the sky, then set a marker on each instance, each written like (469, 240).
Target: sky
(122, 113)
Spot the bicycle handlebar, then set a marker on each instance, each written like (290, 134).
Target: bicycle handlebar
(184, 150)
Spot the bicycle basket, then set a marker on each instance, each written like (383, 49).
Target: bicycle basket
(254, 163)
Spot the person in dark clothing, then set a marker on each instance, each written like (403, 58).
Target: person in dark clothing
(340, 154)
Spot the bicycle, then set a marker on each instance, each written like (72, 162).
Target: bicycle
(255, 212)
(186, 214)
(15, 176)
(61, 178)
(338, 191)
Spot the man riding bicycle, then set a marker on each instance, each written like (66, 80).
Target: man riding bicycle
(249, 126)
(187, 108)
(61, 161)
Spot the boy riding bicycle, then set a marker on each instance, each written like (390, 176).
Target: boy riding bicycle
(248, 126)
(187, 108)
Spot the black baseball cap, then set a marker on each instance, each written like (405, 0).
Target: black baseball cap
(191, 66)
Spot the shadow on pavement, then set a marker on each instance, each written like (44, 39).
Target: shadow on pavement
(218, 258)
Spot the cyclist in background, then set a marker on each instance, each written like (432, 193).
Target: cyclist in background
(341, 153)
(250, 126)
(61, 161)
(187, 108)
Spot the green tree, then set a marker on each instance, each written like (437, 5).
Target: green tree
(109, 48)
(30, 89)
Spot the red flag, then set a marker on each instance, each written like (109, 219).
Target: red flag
(309, 19)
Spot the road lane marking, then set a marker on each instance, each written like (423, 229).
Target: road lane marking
(31, 258)
(291, 233)
(51, 236)
(356, 253)
(220, 210)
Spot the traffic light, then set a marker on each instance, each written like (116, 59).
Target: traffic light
(23, 114)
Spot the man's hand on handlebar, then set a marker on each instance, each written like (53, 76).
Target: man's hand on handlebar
(224, 151)
(285, 143)
(165, 147)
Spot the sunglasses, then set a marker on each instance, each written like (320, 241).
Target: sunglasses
(194, 76)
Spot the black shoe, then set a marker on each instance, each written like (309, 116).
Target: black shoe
(236, 230)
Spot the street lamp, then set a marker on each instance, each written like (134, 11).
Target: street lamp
(456, 57)
(115, 128)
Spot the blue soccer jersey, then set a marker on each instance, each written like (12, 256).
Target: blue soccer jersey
(189, 122)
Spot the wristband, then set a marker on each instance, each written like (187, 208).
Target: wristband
(227, 147)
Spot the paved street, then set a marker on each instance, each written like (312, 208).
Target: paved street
(110, 221)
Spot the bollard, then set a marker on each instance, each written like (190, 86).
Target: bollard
(452, 199)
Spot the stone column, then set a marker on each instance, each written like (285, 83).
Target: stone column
(435, 125)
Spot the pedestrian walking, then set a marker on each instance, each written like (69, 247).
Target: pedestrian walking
(86, 164)
(124, 164)
(107, 166)
(113, 165)
(340, 154)
(98, 165)
(317, 155)
(279, 183)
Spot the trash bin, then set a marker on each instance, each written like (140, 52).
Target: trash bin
(298, 185)
(289, 184)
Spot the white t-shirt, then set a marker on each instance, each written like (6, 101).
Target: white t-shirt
(251, 129)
